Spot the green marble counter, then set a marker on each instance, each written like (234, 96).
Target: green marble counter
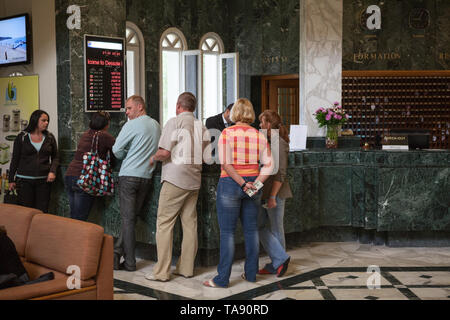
(380, 191)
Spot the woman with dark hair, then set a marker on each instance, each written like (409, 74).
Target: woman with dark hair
(275, 192)
(80, 201)
(34, 163)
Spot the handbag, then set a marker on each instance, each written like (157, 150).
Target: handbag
(96, 176)
(11, 197)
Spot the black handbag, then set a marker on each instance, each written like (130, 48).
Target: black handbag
(11, 197)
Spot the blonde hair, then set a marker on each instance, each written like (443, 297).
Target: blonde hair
(243, 111)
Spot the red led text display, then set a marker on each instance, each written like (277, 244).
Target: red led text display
(104, 73)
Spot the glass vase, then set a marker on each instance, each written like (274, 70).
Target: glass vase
(332, 136)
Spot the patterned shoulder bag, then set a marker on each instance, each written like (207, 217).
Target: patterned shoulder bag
(96, 176)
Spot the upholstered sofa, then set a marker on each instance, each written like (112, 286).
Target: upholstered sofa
(48, 243)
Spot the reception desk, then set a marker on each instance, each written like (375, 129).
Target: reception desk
(395, 198)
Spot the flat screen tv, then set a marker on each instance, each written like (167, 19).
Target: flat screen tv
(15, 40)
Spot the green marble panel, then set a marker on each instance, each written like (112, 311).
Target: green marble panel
(443, 34)
(416, 32)
(98, 17)
(358, 195)
(414, 199)
(370, 197)
(335, 192)
(305, 188)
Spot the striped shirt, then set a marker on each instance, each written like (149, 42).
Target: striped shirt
(242, 147)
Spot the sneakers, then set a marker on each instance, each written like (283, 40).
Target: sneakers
(150, 277)
(182, 275)
(283, 268)
(122, 266)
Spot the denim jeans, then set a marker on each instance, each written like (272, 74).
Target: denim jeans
(80, 202)
(271, 234)
(233, 204)
(132, 193)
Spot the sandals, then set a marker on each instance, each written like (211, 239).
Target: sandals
(210, 284)
(283, 268)
(264, 271)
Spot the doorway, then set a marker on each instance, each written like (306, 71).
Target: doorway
(281, 94)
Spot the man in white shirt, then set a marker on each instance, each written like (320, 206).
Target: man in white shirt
(181, 151)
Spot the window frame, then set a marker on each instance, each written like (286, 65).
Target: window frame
(139, 51)
(220, 58)
(199, 93)
(183, 48)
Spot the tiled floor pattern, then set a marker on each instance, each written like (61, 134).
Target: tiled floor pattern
(318, 271)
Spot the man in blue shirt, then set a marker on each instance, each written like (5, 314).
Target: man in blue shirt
(136, 143)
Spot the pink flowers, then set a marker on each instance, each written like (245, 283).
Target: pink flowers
(320, 110)
(331, 116)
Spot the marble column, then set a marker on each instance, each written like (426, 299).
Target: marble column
(98, 17)
(320, 58)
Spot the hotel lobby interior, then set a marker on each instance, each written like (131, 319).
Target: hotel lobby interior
(366, 222)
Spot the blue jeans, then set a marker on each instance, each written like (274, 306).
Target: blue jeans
(271, 234)
(80, 202)
(233, 204)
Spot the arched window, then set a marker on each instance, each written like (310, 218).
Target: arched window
(212, 43)
(208, 73)
(172, 45)
(220, 76)
(135, 61)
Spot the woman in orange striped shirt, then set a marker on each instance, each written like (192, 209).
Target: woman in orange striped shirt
(242, 149)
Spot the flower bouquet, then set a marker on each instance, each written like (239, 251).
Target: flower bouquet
(333, 118)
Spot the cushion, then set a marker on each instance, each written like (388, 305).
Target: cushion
(17, 221)
(41, 289)
(58, 243)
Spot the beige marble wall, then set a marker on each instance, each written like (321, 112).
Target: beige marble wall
(320, 58)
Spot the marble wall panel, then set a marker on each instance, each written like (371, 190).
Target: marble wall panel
(414, 35)
(98, 17)
(370, 197)
(335, 195)
(416, 198)
(358, 195)
(321, 59)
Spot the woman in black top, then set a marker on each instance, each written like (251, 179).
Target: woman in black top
(34, 163)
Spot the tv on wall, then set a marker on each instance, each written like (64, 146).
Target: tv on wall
(15, 40)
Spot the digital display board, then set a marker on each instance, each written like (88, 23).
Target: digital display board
(104, 65)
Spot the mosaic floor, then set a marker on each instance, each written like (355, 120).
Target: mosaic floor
(318, 271)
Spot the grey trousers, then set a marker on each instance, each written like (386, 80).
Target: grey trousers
(132, 193)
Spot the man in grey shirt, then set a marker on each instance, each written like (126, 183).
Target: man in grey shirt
(181, 150)
(136, 143)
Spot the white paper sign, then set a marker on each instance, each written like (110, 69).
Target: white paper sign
(298, 138)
